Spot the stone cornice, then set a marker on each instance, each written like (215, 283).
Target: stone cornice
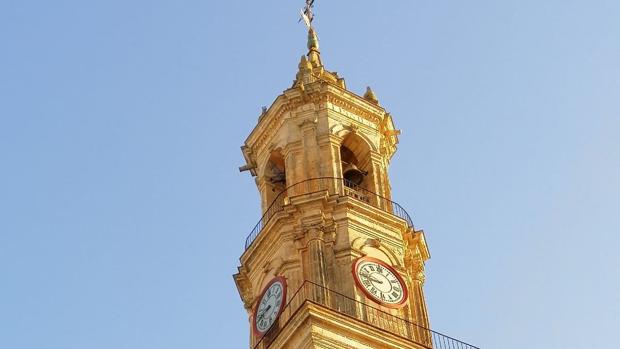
(320, 94)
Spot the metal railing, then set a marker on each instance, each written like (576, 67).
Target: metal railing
(312, 293)
(331, 185)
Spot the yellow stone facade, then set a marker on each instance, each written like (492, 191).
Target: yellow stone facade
(316, 225)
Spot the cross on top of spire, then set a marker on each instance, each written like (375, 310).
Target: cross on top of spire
(306, 13)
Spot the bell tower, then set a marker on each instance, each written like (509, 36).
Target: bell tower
(333, 262)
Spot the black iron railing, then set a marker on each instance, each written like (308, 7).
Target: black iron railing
(331, 185)
(311, 293)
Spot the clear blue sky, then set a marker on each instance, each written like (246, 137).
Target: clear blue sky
(122, 213)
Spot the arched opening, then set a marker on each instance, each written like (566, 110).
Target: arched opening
(355, 162)
(351, 171)
(274, 177)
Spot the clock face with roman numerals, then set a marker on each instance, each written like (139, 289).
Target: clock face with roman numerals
(380, 282)
(270, 304)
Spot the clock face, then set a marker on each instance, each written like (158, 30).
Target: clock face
(380, 282)
(270, 305)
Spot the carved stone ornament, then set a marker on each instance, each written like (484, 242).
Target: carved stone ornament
(417, 269)
(324, 230)
(245, 288)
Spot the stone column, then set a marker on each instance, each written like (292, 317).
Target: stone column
(419, 311)
(310, 148)
(316, 245)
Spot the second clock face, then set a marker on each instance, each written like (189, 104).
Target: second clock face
(380, 282)
(270, 305)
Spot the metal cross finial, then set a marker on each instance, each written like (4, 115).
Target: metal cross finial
(306, 13)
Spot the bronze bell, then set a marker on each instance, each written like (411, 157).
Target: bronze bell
(278, 177)
(352, 174)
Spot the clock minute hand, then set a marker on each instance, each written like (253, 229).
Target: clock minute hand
(260, 316)
(372, 278)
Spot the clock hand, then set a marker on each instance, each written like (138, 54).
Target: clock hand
(260, 316)
(372, 278)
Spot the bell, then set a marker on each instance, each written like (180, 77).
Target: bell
(352, 174)
(278, 178)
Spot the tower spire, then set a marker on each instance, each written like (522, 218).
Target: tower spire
(307, 15)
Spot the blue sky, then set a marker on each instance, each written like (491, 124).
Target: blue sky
(122, 213)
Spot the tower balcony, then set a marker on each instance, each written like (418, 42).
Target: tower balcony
(332, 186)
(316, 311)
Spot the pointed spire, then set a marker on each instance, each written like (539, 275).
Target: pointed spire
(313, 40)
(311, 66)
(314, 55)
(371, 96)
(307, 15)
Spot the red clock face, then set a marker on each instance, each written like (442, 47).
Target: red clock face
(380, 282)
(270, 305)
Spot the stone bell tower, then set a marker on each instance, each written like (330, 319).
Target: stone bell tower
(333, 262)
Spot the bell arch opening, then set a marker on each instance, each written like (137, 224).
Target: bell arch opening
(274, 176)
(355, 162)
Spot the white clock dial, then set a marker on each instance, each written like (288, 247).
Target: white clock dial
(380, 282)
(269, 305)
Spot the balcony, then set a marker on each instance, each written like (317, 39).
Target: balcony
(311, 294)
(332, 186)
